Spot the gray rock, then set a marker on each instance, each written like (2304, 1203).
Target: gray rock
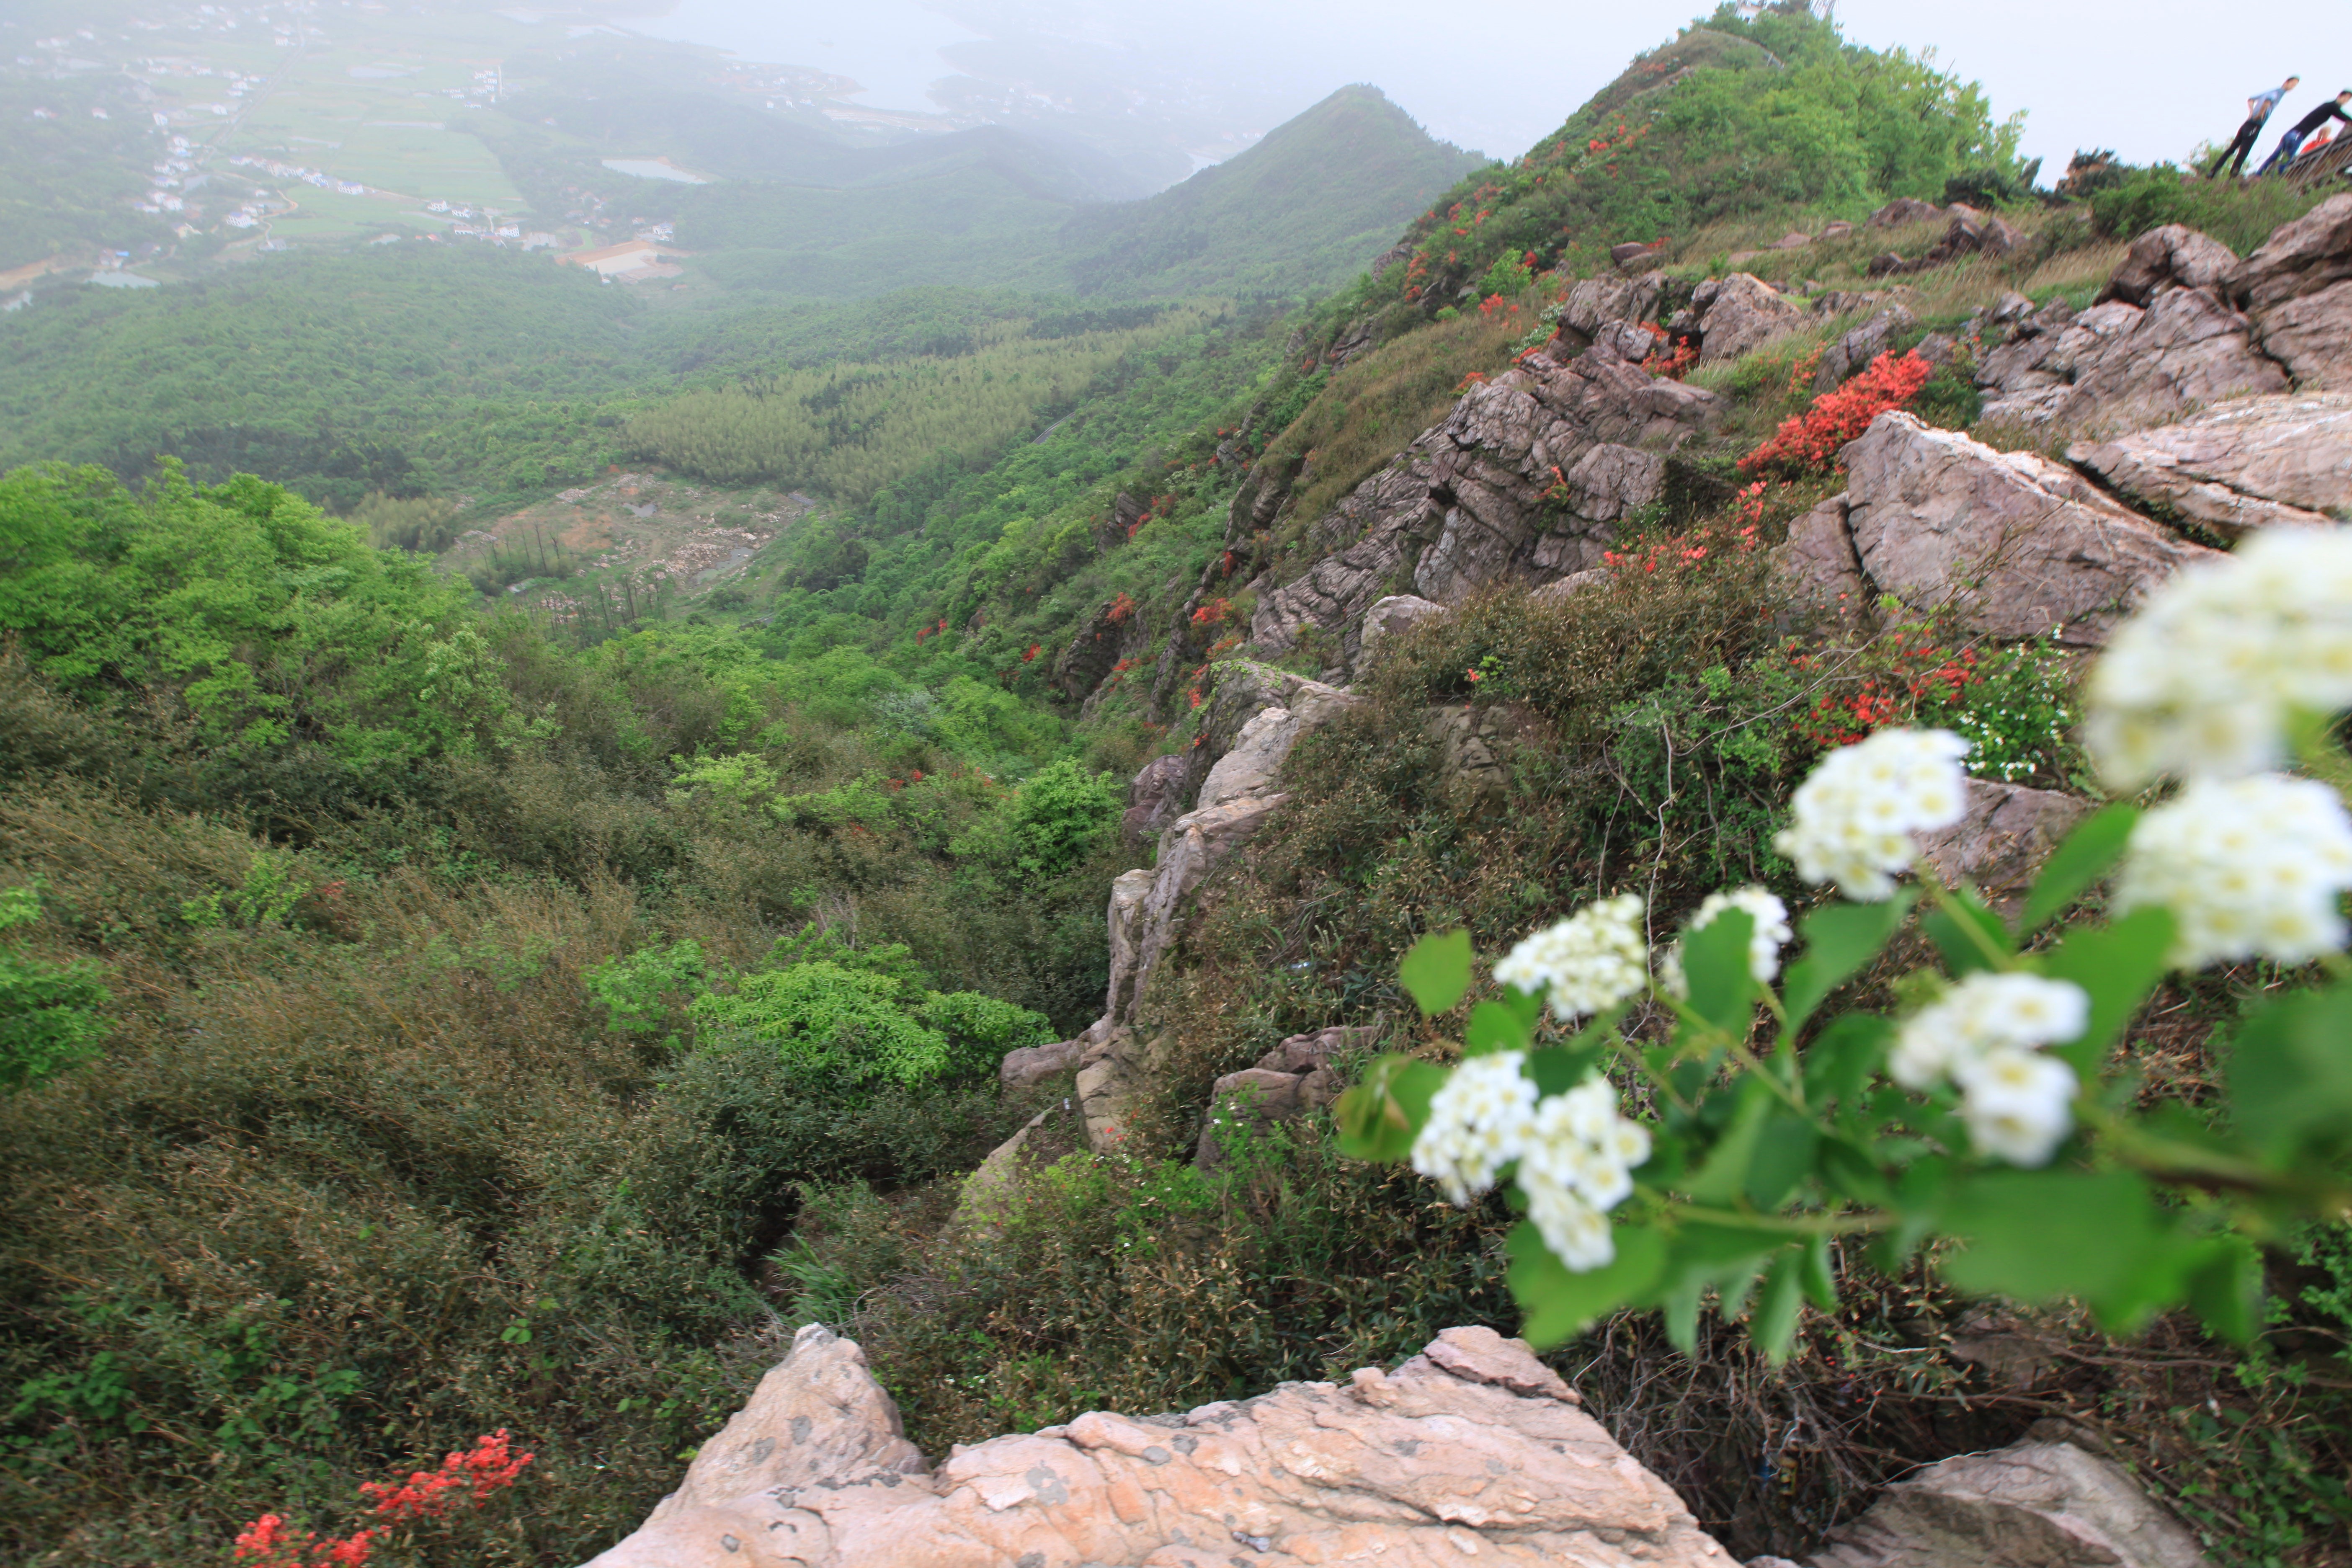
(2014, 544)
(1030, 1064)
(2173, 257)
(1593, 302)
(1465, 505)
(1253, 768)
(1386, 618)
(2252, 462)
(1570, 587)
(1740, 313)
(2312, 336)
(1998, 845)
(1974, 233)
(2307, 256)
(2118, 367)
(990, 1190)
(1852, 351)
(1817, 564)
(2030, 1505)
(1902, 210)
(1792, 241)
(1837, 230)
(1154, 799)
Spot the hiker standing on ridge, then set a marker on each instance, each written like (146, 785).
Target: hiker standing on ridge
(2292, 143)
(2258, 113)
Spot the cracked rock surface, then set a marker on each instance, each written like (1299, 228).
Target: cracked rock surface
(2251, 463)
(1472, 1450)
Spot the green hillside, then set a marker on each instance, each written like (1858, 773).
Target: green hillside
(1304, 210)
(468, 967)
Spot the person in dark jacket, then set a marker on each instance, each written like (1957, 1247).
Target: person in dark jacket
(2258, 115)
(2292, 143)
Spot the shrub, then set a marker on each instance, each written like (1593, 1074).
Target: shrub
(1808, 443)
(2241, 216)
(48, 1012)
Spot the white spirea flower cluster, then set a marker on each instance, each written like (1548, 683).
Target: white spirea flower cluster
(1576, 1154)
(1985, 1035)
(1770, 918)
(2247, 867)
(1577, 1166)
(1478, 1124)
(2198, 683)
(1593, 960)
(1853, 818)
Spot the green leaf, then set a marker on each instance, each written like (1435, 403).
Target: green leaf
(1819, 1279)
(1493, 1027)
(2096, 843)
(1920, 1193)
(1963, 954)
(1559, 1304)
(1784, 1157)
(1845, 1058)
(2117, 965)
(2291, 1072)
(2225, 1288)
(1558, 1071)
(1436, 970)
(1378, 1118)
(1774, 1326)
(1839, 940)
(1715, 958)
(2041, 1236)
(1725, 1175)
(1852, 1173)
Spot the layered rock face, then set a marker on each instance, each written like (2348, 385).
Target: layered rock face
(1473, 1449)
(2253, 462)
(1522, 482)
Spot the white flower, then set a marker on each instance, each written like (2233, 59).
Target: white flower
(2199, 682)
(2248, 867)
(1771, 930)
(1983, 1035)
(1478, 1122)
(1576, 1166)
(1590, 961)
(1853, 818)
(2015, 1103)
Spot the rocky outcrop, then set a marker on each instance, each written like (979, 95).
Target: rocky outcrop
(1817, 564)
(2001, 841)
(1595, 303)
(1969, 233)
(1486, 497)
(2015, 544)
(2253, 462)
(1735, 314)
(1294, 1078)
(1154, 799)
(1901, 211)
(1386, 618)
(1853, 351)
(1471, 743)
(1472, 1450)
(2120, 367)
(2173, 257)
(1034, 1064)
(2298, 288)
(2034, 1504)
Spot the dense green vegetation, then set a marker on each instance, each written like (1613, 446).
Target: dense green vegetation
(416, 1020)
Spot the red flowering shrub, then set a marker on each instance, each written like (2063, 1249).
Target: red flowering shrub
(1679, 552)
(1808, 443)
(1121, 608)
(472, 1478)
(1911, 677)
(1034, 650)
(1214, 613)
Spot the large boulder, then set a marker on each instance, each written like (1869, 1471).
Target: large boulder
(1386, 618)
(2249, 463)
(1901, 211)
(1472, 1450)
(1852, 351)
(1294, 1078)
(2173, 257)
(1594, 302)
(2298, 288)
(1817, 564)
(1741, 312)
(2015, 544)
(2034, 1504)
(2002, 839)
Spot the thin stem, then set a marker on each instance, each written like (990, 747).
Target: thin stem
(1856, 1223)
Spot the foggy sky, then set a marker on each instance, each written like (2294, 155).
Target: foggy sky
(2150, 80)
